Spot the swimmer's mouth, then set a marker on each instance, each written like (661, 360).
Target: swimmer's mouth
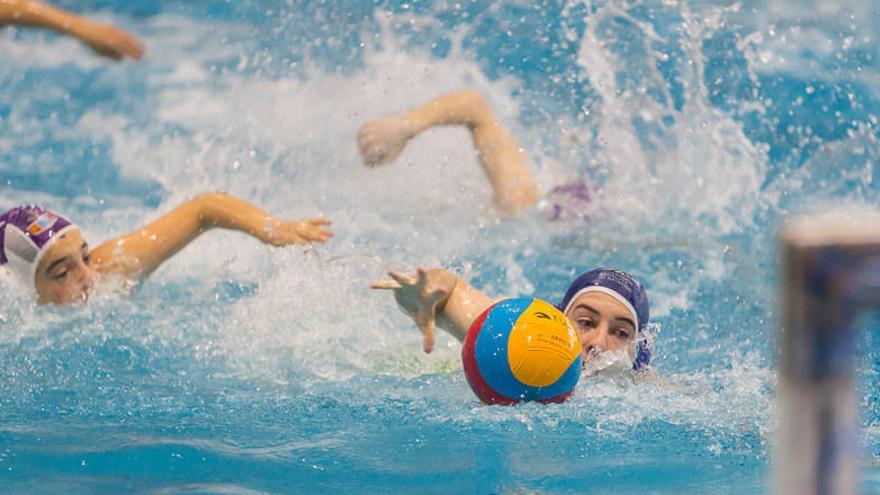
(598, 362)
(590, 354)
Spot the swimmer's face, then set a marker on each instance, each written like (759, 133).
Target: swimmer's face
(602, 323)
(64, 275)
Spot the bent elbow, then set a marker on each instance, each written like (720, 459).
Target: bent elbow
(476, 100)
(206, 204)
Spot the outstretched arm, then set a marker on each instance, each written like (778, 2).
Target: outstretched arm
(104, 39)
(502, 158)
(141, 252)
(436, 297)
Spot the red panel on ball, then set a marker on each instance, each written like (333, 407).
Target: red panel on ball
(472, 371)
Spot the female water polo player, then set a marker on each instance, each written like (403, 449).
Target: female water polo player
(48, 252)
(607, 308)
(501, 157)
(103, 39)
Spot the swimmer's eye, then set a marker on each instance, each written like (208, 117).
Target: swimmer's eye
(622, 333)
(585, 323)
(60, 276)
(87, 258)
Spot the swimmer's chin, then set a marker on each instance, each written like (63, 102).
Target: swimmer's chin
(108, 288)
(606, 363)
(112, 287)
(80, 299)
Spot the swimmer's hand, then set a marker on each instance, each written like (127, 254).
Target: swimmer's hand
(300, 232)
(104, 39)
(383, 140)
(421, 297)
(108, 41)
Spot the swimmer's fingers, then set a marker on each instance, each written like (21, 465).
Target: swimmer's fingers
(317, 229)
(421, 277)
(385, 284)
(402, 279)
(114, 43)
(415, 299)
(317, 234)
(133, 47)
(364, 145)
(383, 140)
(126, 44)
(294, 239)
(425, 321)
(319, 221)
(372, 153)
(312, 230)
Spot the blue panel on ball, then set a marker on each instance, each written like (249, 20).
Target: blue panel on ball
(566, 382)
(490, 349)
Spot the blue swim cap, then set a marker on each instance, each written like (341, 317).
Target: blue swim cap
(626, 289)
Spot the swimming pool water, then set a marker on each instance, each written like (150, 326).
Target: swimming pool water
(239, 368)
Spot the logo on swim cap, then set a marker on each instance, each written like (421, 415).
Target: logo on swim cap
(626, 289)
(26, 233)
(43, 222)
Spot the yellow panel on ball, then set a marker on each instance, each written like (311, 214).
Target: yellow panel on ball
(541, 346)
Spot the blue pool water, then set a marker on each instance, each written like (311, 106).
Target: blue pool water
(239, 368)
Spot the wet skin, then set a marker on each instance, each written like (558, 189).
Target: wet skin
(602, 323)
(65, 274)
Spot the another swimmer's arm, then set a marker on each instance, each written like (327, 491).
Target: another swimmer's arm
(503, 159)
(436, 296)
(104, 39)
(140, 253)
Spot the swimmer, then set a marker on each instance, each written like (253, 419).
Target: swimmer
(103, 39)
(607, 308)
(503, 160)
(48, 252)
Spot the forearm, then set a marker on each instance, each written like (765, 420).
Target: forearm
(463, 306)
(229, 212)
(459, 108)
(38, 14)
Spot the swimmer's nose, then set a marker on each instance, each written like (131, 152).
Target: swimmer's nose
(591, 349)
(87, 280)
(595, 342)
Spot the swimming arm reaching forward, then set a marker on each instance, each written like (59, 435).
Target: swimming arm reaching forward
(103, 39)
(502, 158)
(141, 252)
(436, 297)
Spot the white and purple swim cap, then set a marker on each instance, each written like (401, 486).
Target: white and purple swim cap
(624, 288)
(26, 233)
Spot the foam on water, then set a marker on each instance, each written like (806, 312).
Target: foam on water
(284, 144)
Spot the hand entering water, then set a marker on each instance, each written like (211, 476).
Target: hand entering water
(103, 39)
(111, 42)
(383, 140)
